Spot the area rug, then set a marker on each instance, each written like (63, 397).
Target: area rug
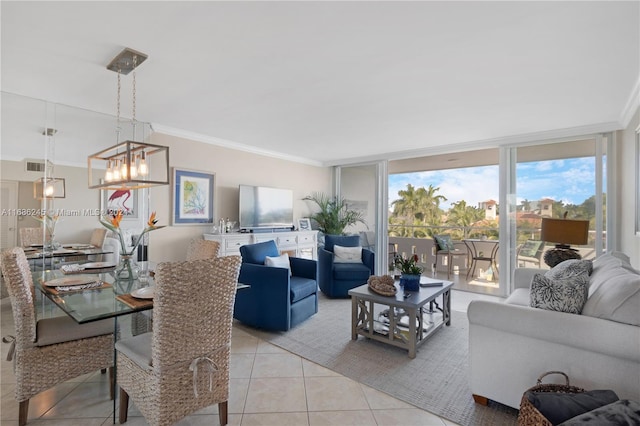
(436, 380)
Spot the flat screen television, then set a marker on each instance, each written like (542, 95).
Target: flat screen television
(265, 208)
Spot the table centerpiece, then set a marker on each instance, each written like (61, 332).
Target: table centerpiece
(127, 267)
(410, 272)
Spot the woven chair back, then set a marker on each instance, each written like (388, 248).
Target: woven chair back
(193, 311)
(98, 236)
(29, 236)
(17, 277)
(202, 249)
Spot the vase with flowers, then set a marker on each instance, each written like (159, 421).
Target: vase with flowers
(410, 272)
(49, 222)
(127, 268)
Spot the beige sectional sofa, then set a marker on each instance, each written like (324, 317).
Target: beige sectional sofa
(511, 344)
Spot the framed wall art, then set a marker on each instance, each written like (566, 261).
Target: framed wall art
(112, 200)
(192, 197)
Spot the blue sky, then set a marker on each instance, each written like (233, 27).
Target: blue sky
(570, 180)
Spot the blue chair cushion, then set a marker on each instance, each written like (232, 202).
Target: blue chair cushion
(350, 272)
(444, 242)
(302, 287)
(256, 253)
(341, 240)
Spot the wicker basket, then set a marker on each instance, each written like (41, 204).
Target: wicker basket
(529, 414)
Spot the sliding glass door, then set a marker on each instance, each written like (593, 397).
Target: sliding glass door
(364, 188)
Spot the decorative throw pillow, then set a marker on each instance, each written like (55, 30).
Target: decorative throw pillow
(570, 268)
(567, 294)
(444, 242)
(347, 254)
(281, 261)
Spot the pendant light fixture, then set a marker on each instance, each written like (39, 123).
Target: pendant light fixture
(129, 164)
(49, 186)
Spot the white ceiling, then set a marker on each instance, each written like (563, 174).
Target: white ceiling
(334, 82)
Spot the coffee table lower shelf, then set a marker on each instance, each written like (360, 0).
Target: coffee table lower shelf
(398, 329)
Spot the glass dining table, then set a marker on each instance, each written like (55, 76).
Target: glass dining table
(109, 300)
(35, 254)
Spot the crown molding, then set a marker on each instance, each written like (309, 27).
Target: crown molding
(198, 137)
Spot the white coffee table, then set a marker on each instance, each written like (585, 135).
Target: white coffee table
(409, 305)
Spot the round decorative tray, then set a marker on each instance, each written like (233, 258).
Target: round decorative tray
(382, 285)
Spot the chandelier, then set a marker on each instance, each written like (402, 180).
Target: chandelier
(129, 164)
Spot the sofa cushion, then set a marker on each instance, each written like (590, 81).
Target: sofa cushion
(347, 254)
(302, 287)
(614, 291)
(564, 294)
(351, 272)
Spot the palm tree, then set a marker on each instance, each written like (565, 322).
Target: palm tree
(463, 216)
(417, 208)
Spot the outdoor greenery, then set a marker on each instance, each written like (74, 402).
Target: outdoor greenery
(417, 214)
(334, 215)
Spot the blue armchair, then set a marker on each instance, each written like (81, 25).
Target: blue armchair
(275, 299)
(336, 279)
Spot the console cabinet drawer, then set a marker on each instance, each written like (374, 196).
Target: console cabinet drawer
(299, 243)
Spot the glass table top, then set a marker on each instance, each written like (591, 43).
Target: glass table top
(91, 304)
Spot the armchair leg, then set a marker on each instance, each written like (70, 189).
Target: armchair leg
(23, 411)
(124, 406)
(223, 412)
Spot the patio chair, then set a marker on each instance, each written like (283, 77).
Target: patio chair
(182, 366)
(530, 252)
(444, 246)
(51, 350)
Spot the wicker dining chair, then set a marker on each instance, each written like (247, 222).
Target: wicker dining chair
(142, 322)
(51, 350)
(202, 249)
(183, 364)
(31, 236)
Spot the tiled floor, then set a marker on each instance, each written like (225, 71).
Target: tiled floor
(269, 386)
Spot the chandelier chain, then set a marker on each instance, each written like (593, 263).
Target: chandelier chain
(135, 63)
(118, 106)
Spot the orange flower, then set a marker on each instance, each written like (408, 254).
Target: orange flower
(152, 220)
(115, 221)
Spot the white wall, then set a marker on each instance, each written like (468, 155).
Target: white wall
(629, 242)
(231, 169)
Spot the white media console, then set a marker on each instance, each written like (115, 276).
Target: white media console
(295, 243)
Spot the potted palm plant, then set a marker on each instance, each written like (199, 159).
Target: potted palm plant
(334, 215)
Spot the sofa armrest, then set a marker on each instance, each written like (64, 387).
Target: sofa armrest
(303, 267)
(522, 276)
(578, 331)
